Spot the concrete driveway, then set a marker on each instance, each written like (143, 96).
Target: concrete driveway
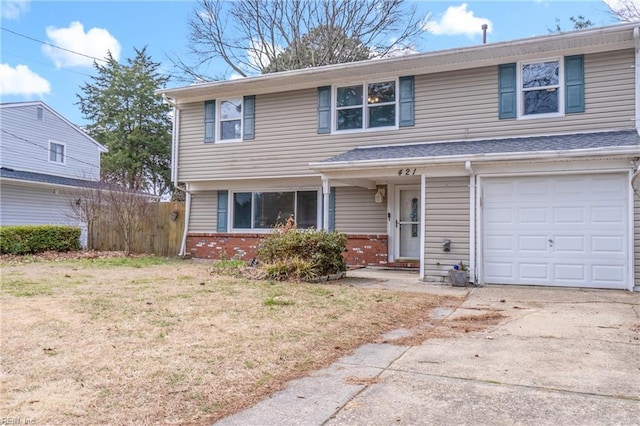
(560, 356)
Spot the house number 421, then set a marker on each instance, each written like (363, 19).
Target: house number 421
(406, 172)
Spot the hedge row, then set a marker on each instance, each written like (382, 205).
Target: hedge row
(29, 239)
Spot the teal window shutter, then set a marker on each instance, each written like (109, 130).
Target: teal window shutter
(223, 206)
(406, 101)
(574, 84)
(332, 209)
(209, 121)
(324, 109)
(249, 112)
(507, 91)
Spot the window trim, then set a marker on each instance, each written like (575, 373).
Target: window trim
(519, 90)
(64, 152)
(230, 208)
(219, 120)
(365, 106)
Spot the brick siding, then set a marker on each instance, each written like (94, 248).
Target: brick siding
(362, 250)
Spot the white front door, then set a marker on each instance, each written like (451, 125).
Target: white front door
(407, 227)
(567, 230)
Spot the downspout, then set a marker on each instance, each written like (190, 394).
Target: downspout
(326, 190)
(175, 134)
(423, 216)
(636, 38)
(472, 223)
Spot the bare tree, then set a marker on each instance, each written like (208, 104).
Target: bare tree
(126, 207)
(87, 204)
(250, 35)
(625, 10)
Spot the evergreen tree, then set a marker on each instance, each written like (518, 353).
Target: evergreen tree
(132, 121)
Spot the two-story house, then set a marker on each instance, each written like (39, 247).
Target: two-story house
(516, 158)
(44, 160)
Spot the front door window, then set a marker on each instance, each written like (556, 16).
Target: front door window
(408, 225)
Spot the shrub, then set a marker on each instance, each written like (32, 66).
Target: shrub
(291, 253)
(29, 239)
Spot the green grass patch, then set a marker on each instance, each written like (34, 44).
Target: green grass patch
(275, 301)
(26, 288)
(130, 262)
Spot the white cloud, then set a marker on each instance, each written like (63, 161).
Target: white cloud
(457, 20)
(21, 81)
(12, 9)
(94, 43)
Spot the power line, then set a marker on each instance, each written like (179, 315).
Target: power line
(4, 52)
(45, 148)
(52, 45)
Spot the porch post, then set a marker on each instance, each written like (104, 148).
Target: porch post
(326, 190)
(423, 214)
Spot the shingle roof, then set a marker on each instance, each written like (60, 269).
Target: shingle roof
(625, 138)
(8, 173)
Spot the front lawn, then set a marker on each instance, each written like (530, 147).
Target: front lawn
(118, 340)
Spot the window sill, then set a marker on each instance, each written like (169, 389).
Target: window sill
(369, 130)
(541, 116)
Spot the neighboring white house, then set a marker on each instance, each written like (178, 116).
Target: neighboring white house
(516, 158)
(43, 159)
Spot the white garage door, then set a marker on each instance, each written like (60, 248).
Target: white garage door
(568, 230)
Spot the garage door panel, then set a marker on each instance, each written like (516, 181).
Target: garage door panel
(607, 214)
(564, 272)
(499, 244)
(532, 215)
(556, 230)
(501, 271)
(607, 273)
(608, 244)
(533, 271)
(574, 244)
(532, 243)
(569, 215)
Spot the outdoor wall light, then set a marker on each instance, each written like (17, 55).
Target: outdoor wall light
(446, 245)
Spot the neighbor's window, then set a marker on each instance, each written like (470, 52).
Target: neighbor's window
(365, 106)
(56, 152)
(230, 120)
(541, 88)
(264, 210)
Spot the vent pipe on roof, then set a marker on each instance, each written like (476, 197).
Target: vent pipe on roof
(484, 33)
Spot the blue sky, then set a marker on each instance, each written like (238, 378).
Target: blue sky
(31, 70)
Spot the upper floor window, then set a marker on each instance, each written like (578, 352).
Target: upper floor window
(366, 106)
(39, 113)
(56, 152)
(229, 119)
(541, 88)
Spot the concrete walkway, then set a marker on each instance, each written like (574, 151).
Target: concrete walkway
(560, 356)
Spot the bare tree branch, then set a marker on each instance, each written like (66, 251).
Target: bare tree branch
(250, 36)
(625, 10)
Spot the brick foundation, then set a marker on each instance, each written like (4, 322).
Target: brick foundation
(362, 250)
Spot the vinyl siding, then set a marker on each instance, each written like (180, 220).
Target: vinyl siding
(29, 151)
(203, 217)
(446, 217)
(358, 213)
(448, 106)
(25, 205)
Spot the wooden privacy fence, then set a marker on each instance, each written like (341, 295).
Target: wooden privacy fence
(160, 231)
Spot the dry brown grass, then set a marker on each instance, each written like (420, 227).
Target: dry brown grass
(105, 342)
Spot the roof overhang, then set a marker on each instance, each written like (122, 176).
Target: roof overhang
(584, 42)
(614, 144)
